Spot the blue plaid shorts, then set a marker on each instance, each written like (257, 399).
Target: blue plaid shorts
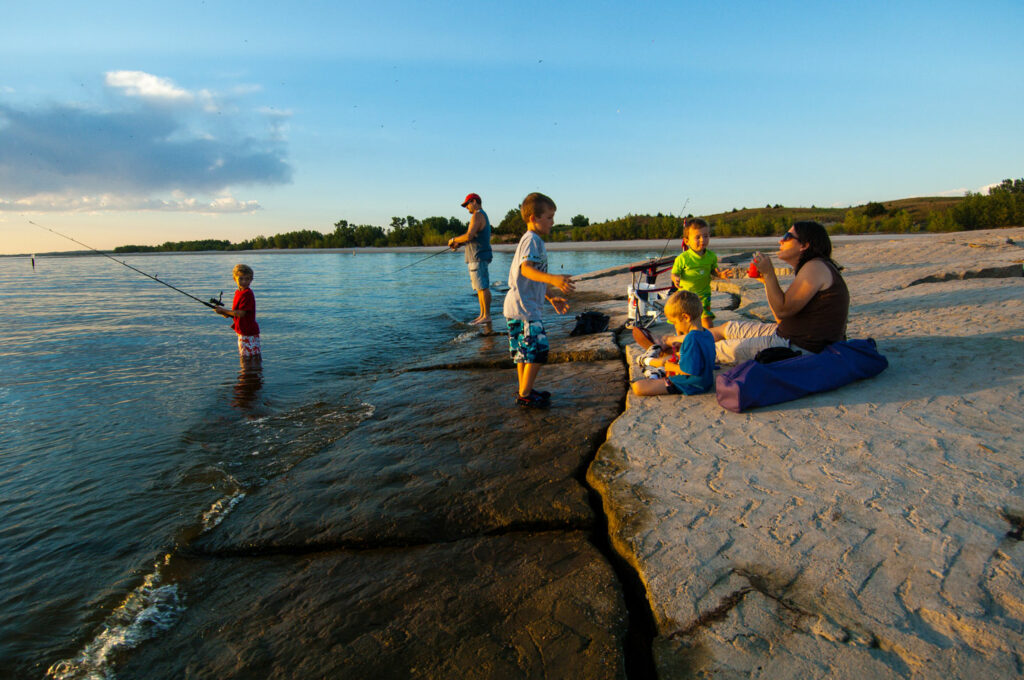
(527, 342)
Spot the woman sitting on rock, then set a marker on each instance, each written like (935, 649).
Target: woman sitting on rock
(809, 315)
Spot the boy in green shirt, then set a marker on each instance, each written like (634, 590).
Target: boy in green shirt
(696, 265)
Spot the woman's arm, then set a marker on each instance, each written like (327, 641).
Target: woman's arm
(812, 277)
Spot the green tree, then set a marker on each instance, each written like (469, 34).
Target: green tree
(512, 224)
(874, 209)
(580, 221)
(1012, 186)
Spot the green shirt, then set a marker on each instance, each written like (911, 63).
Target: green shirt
(694, 272)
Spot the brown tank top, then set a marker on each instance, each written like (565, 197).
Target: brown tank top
(822, 320)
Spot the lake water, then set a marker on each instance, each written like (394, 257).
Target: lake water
(128, 427)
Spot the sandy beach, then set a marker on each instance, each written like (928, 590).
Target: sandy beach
(874, 530)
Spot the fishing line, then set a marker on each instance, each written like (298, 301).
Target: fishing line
(423, 260)
(681, 211)
(211, 304)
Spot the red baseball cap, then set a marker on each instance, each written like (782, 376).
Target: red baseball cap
(471, 197)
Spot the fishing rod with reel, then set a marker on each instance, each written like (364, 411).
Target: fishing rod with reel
(213, 303)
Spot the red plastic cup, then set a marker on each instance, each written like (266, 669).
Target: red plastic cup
(752, 272)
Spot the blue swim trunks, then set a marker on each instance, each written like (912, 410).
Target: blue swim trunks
(527, 342)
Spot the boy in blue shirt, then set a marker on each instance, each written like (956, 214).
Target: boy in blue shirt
(692, 372)
(528, 281)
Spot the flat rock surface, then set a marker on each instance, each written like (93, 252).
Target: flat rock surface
(487, 465)
(513, 606)
(448, 535)
(872, 531)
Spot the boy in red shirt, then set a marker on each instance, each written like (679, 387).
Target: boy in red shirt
(243, 311)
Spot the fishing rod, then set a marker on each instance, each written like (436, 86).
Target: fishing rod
(669, 240)
(423, 260)
(214, 302)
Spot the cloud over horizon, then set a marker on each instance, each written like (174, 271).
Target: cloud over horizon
(159, 147)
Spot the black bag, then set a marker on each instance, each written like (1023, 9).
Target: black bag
(590, 322)
(767, 356)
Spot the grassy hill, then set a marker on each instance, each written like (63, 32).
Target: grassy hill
(918, 208)
(901, 215)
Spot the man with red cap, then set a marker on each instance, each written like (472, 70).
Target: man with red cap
(477, 240)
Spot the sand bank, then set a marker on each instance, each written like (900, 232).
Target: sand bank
(872, 531)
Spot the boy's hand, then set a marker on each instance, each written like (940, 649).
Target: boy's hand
(560, 304)
(564, 283)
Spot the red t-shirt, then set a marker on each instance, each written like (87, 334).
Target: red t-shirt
(244, 299)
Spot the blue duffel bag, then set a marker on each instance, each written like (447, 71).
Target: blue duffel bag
(752, 384)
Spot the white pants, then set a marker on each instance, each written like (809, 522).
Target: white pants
(744, 339)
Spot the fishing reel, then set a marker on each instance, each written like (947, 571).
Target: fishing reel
(218, 300)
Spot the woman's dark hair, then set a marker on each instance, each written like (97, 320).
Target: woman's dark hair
(815, 237)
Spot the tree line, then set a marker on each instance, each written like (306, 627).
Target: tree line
(1002, 206)
(403, 231)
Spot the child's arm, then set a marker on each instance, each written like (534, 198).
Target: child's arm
(560, 304)
(720, 273)
(672, 368)
(562, 282)
(671, 341)
(232, 313)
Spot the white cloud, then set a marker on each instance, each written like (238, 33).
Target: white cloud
(147, 86)
(120, 203)
(111, 158)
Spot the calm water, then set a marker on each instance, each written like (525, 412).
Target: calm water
(128, 427)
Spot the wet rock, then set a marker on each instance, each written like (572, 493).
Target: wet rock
(487, 465)
(516, 606)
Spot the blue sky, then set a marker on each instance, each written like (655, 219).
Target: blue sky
(145, 122)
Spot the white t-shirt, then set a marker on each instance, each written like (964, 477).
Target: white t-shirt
(525, 298)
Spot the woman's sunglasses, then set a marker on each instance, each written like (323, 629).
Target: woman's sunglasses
(788, 235)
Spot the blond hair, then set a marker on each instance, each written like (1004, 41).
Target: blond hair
(534, 205)
(683, 302)
(241, 269)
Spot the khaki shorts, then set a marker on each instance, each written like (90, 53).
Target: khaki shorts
(744, 339)
(478, 275)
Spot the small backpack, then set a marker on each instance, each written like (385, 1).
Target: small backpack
(590, 322)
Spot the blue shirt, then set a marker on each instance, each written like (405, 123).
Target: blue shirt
(478, 248)
(696, 357)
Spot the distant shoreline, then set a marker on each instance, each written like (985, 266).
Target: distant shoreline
(718, 243)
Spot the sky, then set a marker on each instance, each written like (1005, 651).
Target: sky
(142, 122)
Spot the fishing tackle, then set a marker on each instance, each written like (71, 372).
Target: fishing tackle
(645, 300)
(211, 304)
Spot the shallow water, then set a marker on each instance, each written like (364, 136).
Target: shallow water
(128, 426)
